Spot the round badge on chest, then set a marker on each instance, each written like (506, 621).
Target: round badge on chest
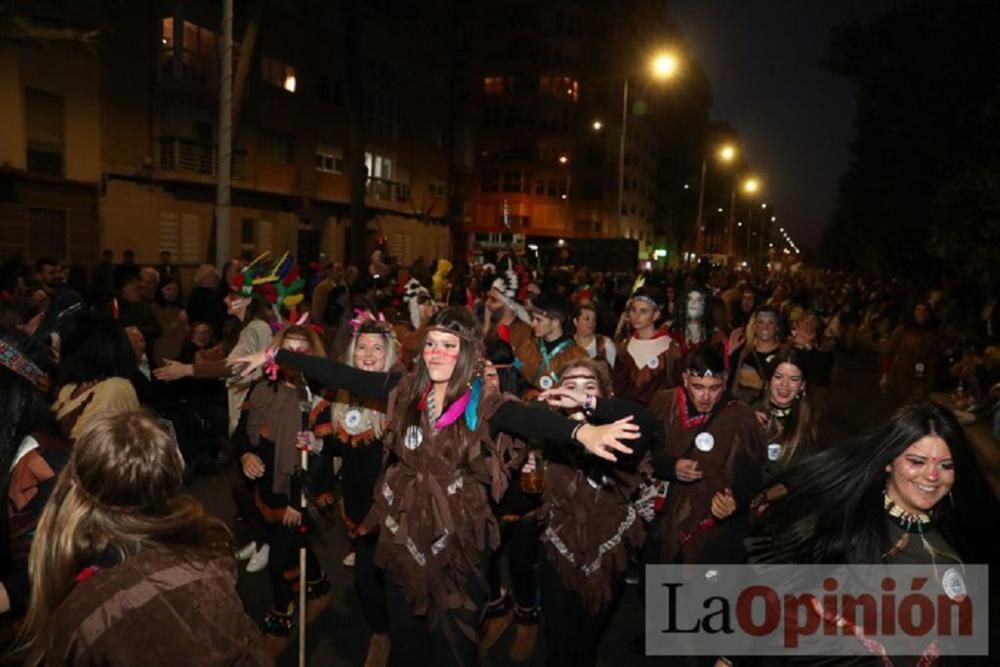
(352, 419)
(774, 451)
(654, 362)
(704, 442)
(545, 382)
(414, 436)
(953, 584)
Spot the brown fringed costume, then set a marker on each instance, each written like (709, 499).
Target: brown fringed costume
(644, 367)
(591, 530)
(730, 458)
(542, 370)
(431, 506)
(432, 511)
(191, 605)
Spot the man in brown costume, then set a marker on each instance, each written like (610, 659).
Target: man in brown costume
(704, 423)
(540, 360)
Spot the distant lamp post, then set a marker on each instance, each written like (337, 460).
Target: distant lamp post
(750, 187)
(726, 153)
(563, 159)
(663, 66)
(597, 125)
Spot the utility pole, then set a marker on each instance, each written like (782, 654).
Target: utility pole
(224, 156)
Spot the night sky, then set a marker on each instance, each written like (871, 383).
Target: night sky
(765, 60)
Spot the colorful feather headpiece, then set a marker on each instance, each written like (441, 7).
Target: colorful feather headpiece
(279, 283)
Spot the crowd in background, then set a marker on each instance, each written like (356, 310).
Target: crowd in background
(126, 337)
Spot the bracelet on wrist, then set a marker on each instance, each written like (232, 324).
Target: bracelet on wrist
(576, 432)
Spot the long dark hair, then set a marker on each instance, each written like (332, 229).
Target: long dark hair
(799, 425)
(833, 510)
(96, 347)
(467, 366)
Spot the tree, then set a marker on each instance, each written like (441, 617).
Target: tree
(921, 189)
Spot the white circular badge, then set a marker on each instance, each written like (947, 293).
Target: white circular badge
(954, 584)
(704, 442)
(774, 451)
(352, 419)
(545, 382)
(654, 362)
(919, 368)
(414, 436)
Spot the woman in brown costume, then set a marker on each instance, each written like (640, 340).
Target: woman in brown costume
(436, 526)
(591, 527)
(911, 357)
(125, 571)
(267, 440)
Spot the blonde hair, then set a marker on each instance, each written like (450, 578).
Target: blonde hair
(117, 493)
(344, 400)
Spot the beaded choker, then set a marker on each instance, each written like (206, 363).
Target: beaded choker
(911, 522)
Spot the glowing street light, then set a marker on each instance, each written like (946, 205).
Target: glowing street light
(597, 125)
(664, 65)
(764, 205)
(727, 153)
(563, 159)
(751, 185)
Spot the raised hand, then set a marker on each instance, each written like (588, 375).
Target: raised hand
(604, 441)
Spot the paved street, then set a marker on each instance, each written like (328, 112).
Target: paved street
(339, 637)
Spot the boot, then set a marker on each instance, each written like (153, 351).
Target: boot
(318, 598)
(497, 619)
(378, 651)
(523, 646)
(278, 628)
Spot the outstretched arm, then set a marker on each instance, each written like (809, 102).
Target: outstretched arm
(340, 376)
(537, 421)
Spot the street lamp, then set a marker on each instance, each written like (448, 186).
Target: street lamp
(663, 66)
(597, 125)
(751, 186)
(726, 153)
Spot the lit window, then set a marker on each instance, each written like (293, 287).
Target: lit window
(277, 73)
(493, 85)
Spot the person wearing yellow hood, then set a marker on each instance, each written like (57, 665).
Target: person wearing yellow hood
(440, 281)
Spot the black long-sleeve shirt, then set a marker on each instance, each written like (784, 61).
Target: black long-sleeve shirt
(519, 419)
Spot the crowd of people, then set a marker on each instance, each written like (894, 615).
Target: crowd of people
(583, 424)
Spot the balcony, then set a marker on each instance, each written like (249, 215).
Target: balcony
(185, 155)
(380, 189)
(189, 70)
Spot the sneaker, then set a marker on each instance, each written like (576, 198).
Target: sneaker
(247, 552)
(259, 559)
(349, 560)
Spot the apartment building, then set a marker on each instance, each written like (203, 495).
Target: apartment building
(110, 133)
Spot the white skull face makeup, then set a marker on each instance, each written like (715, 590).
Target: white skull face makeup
(695, 305)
